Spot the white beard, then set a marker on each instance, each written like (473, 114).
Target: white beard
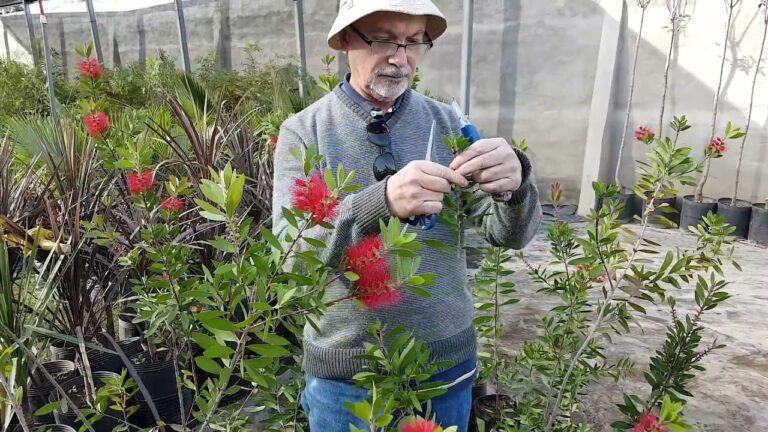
(386, 89)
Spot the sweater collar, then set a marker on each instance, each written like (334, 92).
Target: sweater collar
(360, 106)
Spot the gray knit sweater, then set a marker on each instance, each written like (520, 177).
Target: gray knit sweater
(336, 125)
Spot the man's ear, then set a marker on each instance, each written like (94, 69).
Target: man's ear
(344, 39)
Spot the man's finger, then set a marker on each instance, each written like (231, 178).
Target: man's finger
(431, 207)
(435, 183)
(501, 185)
(486, 161)
(438, 170)
(479, 148)
(491, 174)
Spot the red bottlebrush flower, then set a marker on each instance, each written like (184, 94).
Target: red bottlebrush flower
(173, 205)
(139, 183)
(602, 279)
(134, 183)
(314, 196)
(716, 147)
(645, 134)
(147, 181)
(96, 123)
(375, 288)
(648, 422)
(363, 254)
(273, 139)
(90, 68)
(419, 425)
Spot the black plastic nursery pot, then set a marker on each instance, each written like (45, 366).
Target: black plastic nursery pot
(737, 215)
(158, 376)
(168, 409)
(56, 428)
(630, 209)
(62, 351)
(75, 389)
(102, 361)
(693, 212)
(479, 389)
(40, 388)
(126, 329)
(487, 409)
(758, 228)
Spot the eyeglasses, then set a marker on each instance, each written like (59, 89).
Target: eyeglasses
(389, 48)
(384, 165)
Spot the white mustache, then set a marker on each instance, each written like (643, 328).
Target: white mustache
(394, 73)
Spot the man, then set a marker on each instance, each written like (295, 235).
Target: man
(374, 124)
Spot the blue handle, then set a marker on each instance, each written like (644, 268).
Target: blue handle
(426, 222)
(470, 131)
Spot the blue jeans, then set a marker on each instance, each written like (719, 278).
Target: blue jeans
(322, 400)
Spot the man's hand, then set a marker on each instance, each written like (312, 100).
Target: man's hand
(419, 187)
(493, 164)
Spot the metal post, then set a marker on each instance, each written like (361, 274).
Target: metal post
(183, 36)
(300, 42)
(466, 55)
(49, 71)
(31, 32)
(95, 31)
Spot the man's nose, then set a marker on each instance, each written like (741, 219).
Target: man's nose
(399, 58)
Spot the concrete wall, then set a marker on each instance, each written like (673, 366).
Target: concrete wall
(534, 68)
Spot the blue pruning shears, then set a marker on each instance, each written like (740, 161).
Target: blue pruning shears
(427, 222)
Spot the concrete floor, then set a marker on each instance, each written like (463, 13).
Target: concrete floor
(731, 395)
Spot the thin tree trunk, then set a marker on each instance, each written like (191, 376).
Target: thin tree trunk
(699, 195)
(666, 71)
(631, 96)
(731, 5)
(749, 118)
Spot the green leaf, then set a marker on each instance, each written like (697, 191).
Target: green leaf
(203, 340)
(314, 242)
(208, 365)
(222, 245)
(235, 194)
(270, 351)
(213, 216)
(213, 192)
(48, 408)
(218, 351)
(267, 235)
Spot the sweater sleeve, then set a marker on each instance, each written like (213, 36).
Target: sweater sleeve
(513, 223)
(357, 215)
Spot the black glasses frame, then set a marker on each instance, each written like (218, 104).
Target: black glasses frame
(429, 44)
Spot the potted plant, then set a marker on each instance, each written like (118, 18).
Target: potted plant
(736, 213)
(626, 195)
(758, 227)
(84, 398)
(695, 207)
(664, 208)
(492, 290)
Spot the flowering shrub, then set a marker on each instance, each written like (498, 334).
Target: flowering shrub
(90, 68)
(714, 150)
(645, 134)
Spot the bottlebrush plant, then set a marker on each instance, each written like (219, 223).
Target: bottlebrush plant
(601, 284)
(221, 324)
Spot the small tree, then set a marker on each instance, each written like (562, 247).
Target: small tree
(764, 9)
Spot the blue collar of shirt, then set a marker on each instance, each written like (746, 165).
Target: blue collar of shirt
(350, 91)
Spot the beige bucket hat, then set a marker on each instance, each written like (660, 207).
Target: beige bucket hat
(352, 10)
